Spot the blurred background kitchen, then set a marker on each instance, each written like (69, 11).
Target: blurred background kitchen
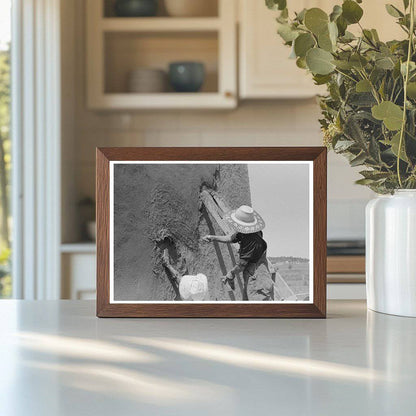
(147, 73)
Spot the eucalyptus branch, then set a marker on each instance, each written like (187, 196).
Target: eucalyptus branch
(346, 75)
(392, 90)
(406, 80)
(398, 95)
(373, 89)
(351, 120)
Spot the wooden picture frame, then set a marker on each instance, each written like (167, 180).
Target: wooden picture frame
(315, 308)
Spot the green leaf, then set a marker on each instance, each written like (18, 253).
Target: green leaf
(396, 71)
(321, 79)
(411, 90)
(327, 40)
(276, 4)
(286, 32)
(361, 99)
(292, 54)
(301, 15)
(358, 61)
(343, 65)
(284, 14)
(319, 61)
(342, 25)
(333, 32)
(347, 37)
(358, 160)
(336, 12)
(385, 63)
(406, 4)
(303, 43)
(316, 20)
(394, 144)
(393, 11)
(412, 67)
(301, 63)
(374, 150)
(353, 130)
(364, 181)
(363, 86)
(375, 35)
(351, 11)
(391, 114)
(343, 145)
(374, 175)
(325, 43)
(368, 36)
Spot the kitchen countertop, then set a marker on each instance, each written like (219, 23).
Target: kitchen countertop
(58, 359)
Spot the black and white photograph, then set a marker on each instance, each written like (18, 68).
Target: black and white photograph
(211, 231)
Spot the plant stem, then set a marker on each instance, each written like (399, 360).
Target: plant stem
(373, 89)
(345, 75)
(406, 80)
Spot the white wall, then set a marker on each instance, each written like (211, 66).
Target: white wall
(266, 123)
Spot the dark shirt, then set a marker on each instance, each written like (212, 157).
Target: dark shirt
(252, 246)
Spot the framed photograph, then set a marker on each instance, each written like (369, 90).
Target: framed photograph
(211, 232)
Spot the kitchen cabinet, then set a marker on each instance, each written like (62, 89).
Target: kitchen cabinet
(78, 264)
(116, 46)
(265, 70)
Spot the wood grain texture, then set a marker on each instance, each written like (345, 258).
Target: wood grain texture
(317, 309)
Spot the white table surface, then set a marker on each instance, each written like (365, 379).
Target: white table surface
(58, 359)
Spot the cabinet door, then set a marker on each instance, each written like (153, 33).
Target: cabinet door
(78, 276)
(265, 68)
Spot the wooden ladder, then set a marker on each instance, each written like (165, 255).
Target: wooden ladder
(217, 208)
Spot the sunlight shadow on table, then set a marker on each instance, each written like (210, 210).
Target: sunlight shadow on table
(108, 368)
(132, 384)
(260, 361)
(83, 348)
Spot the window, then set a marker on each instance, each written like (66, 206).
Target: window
(5, 145)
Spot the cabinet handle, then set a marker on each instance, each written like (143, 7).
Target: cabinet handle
(228, 94)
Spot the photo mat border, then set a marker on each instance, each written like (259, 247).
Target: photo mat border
(222, 162)
(316, 308)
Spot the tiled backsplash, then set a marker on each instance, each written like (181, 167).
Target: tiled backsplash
(288, 123)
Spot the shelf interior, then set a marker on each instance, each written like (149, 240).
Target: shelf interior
(127, 51)
(210, 8)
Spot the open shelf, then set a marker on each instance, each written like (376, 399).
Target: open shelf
(116, 46)
(194, 101)
(80, 247)
(160, 24)
(127, 51)
(211, 9)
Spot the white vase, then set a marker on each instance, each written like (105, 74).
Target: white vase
(391, 253)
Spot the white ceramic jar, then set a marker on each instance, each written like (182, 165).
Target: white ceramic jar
(391, 253)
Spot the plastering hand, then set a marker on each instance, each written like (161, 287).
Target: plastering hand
(229, 279)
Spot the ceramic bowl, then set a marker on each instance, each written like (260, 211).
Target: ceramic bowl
(135, 8)
(186, 76)
(147, 80)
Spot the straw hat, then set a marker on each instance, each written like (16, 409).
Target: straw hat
(245, 220)
(194, 287)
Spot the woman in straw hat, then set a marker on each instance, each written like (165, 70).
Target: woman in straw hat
(248, 226)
